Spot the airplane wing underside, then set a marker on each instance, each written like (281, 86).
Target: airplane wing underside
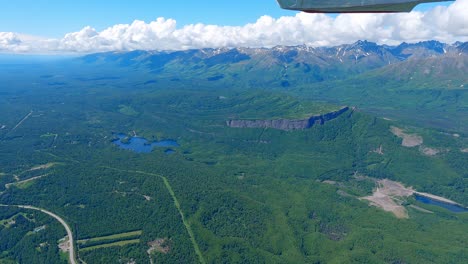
(353, 6)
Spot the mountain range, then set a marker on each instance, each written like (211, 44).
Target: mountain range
(406, 82)
(279, 155)
(296, 65)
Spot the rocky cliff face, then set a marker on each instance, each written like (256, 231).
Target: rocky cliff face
(288, 124)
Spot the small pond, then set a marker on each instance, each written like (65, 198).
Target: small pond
(452, 207)
(142, 145)
(169, 151)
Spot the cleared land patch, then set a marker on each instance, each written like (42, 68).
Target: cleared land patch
(409, 140)
(430, 151)
(43, 166)
(26, 183)
(387, 196)
(49, 135)
(9, 222)
(111, 237)
(115, 240)
(128, 110)
(390, 196)
(160, 245)
(114, 244)
(64, 244)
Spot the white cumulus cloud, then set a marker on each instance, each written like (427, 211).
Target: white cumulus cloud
(446, 24)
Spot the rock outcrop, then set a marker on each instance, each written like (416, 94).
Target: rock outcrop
(288, 124)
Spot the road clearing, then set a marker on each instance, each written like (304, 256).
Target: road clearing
(72, 255)
(22, 120)
(390, 196)
(8, 185)
(177, 205)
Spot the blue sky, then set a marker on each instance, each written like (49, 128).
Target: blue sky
(54, 18)
(88, 26)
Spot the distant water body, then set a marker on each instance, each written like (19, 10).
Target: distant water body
(452, 207)
(169, 151)
(142, 145)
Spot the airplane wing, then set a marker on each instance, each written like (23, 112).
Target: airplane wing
(353, 6)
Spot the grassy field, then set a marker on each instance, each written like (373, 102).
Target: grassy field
(111, 237)
(114, 244)
(24, 185)
(127, 110)
(5, 222)
(115, 240)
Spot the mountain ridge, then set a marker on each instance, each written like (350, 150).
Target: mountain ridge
(292, 65)
(361, 48)
(406, 81)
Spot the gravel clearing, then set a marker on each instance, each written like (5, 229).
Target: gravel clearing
(409, 140)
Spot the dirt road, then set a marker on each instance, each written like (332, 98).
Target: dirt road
(8, 185)
(177, 205)
(22, 120)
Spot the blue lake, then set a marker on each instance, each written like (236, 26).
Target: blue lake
(142, 145)
(452, 207)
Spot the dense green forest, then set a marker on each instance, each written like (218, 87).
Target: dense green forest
(226, 195)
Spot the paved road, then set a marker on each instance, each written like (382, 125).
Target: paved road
(72, 255)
